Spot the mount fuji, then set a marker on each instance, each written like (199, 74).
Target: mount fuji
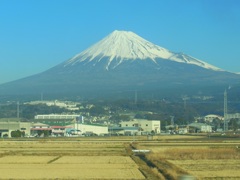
(122, 46)
(123, 61)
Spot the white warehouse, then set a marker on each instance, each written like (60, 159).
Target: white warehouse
(144, 125)
(91, 128)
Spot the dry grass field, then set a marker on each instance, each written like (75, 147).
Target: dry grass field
(66, 160)
(170, 157)
(201, 158)
(69, 167)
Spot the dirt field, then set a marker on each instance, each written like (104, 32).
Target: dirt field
(170, 157)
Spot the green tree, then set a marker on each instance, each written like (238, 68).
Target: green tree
(233, 124)
(16, 133)
(23, 133)
(46, 133)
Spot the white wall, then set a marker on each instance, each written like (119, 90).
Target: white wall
(206, 128)
(91, 128)
(145, 125)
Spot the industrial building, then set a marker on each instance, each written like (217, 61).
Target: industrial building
(57, 116)
(211, 117)
(74, 124)
(7, 125)
(127, 131)
(199, 127)
(91, 129)
(57, 119)
(143, 125)
(64, 125)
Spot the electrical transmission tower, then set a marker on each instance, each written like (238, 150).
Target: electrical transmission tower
(172, 120)
(225, 111)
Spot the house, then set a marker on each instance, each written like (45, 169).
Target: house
(72, 106)
(40, 129)
(182, 130)
(59, 130)
(211, 117)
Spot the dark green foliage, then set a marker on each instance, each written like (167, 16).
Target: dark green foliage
(29, 111)
(8, 110)
(234, 124)
(97, 111)
(45, 133)
(117, 118)
(16, 133)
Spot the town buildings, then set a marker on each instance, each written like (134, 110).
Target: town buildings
(70, 125)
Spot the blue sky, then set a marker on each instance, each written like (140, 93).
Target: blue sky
(36, 35)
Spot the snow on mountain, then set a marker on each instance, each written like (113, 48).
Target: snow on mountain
(183, 58)
(126, 45)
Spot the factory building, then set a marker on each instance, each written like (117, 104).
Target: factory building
(199, 127)
(91, 129)
(56, 119)
(145, 126)
(69, 125)
(127, 131)
(211, 117)
(7, 125)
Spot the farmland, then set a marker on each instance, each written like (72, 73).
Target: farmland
(66, 160)
(112, 158)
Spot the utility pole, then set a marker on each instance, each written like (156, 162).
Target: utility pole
(225, 111)
(136, 97)
(172, 120)
(41, 96)
(184, 98)
(18, 109)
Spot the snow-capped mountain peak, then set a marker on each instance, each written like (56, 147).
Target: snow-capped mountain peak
(123, 45)
(126, 45)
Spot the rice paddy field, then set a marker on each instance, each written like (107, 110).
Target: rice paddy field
(201, 158)
(47, 159)
(170, 157)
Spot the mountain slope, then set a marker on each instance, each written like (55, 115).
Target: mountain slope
(123, 61)
(125, 45)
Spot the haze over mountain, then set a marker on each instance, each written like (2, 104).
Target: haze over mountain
(123, 61)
